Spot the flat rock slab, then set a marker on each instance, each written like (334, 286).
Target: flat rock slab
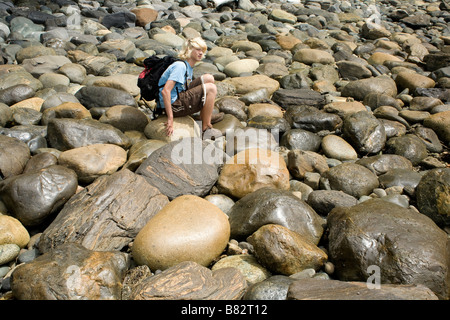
(191, 281)
(187, 166)
(106, 215)
(317, 289)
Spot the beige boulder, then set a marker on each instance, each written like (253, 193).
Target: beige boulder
(310, 56)
(12, 231)
(189, 228)
(249, 84)
(183, 127)
(125, 82)
(252, 169)
(72, 110)
(92, 161)
(412, 80)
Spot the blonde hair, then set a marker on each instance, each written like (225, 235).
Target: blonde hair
(189, 45)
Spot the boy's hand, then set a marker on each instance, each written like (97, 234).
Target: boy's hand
(169, 127)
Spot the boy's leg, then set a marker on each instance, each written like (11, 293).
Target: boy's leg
(207, 110)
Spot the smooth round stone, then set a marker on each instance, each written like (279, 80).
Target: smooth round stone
(12, 231)
(397, 199)
(400, 177)
(75, 72)
(8, 252)
(187, 229)
(264, 109)
(50, 80)
(353, 179)
(412, 80)
(234, 69)
(222, 201)
(409, 146)
(273, 288)
(440, 123)
(253, 169)
(56, 99)
(337, 148)
(310, 56)
(247, 264)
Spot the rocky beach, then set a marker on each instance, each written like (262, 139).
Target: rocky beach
(331, 180)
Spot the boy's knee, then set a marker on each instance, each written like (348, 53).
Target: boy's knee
(208, 78)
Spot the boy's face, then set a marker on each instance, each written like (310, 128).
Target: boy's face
(197, 54)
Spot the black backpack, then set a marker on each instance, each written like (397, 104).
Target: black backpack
(148, 79)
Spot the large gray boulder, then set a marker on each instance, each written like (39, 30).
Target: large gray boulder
(406, 246)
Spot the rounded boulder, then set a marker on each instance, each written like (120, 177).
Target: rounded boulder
(189, 228)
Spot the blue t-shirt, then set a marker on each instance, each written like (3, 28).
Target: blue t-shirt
(176, 72)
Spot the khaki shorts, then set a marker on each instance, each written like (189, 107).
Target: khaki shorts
(189, 101)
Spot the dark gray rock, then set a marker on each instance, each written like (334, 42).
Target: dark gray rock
(382, 163)
(375, 100)
(318, 289)
(301, 139)
(120, 20)
(429, 138)
(406, 178)
(312, 119)
(395, 239)
(233, 106)
(365, 132)
(16, 94)
(359, 89)
(32, 197)
(183, 167)
(350, 178)
(33, 135)
(432, 193)
(294, 97)
(409, 146)
(323, 201)
(65, 134)
(273, 288)
(353, 70)
(269, 123)
(266, 206)
(92, 96)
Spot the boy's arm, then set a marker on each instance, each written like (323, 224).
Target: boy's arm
(167, 89)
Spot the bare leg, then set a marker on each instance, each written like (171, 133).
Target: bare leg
(207, 110)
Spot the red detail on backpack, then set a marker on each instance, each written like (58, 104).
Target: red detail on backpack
(144, 72)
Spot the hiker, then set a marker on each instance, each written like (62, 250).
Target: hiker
(200, 94)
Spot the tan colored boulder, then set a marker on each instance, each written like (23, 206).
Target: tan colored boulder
(125, 82)
(310, 56)
(287, 41)
(189, 228)
(412, 80)
(183, 127)
(12, 231)
(31, 103)
(381, 57)
(144, 16)
(72, 110)
(252, 169)
(252, 83)
(92, 161)
(264, 109)
(284, 251)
